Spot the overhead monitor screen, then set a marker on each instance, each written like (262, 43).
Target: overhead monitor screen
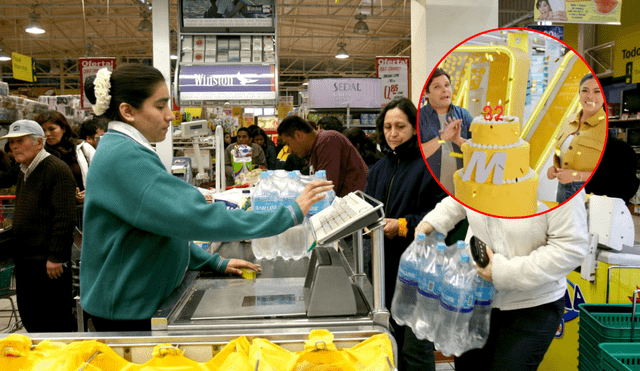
(234, 16)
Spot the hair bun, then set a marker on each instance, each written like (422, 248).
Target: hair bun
(89, 89)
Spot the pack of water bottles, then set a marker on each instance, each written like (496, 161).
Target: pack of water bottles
(441, 297)
(282, 188)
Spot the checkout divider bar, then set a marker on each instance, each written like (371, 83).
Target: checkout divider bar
(380, 314)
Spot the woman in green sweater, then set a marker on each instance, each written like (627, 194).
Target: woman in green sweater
(139, 219)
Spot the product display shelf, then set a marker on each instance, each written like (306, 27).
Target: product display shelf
(364, 118)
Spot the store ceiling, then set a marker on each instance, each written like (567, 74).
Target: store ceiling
(308, 34)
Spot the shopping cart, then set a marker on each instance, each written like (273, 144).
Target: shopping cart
(6, 212)
(8, 291)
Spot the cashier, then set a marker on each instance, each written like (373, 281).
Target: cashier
(139, 219)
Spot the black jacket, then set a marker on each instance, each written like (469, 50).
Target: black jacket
(403, 183)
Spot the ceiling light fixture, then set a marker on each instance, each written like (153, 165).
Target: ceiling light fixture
(342, 52)
(145, 25)
(361, 25)
(330, 67)
(34, 26)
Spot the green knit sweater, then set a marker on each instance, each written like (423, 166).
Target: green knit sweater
(138, 224)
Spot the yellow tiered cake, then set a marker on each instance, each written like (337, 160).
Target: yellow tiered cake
(496, 178)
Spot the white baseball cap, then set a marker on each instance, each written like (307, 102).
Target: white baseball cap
(21, 128)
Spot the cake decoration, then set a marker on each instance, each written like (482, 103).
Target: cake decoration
(496, 177)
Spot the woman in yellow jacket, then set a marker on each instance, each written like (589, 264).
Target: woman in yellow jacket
(580, 142)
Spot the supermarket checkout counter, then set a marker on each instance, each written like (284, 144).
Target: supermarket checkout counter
(283, 304)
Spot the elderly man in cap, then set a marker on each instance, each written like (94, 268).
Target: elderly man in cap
(43, 225)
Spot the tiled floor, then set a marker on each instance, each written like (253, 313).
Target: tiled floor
(444, 366)
(6, 319)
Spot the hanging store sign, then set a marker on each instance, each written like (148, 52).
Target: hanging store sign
(342, 93)
(23, 67)
(393, 73)
(202, 83)
(90, 67)
(626, 60)
(578, 11)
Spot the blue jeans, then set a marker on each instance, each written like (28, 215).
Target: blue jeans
(518, 339)
(566, 191)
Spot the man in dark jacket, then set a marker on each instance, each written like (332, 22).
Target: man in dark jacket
(43, 224)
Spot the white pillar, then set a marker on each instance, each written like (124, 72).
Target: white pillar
(162, 61)
(439, 25)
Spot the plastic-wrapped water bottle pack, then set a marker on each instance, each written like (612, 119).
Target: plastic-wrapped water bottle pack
(282, 188)
(441, 297)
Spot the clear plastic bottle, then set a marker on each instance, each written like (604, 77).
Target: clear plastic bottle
(429, 286)
(453, 252)
(479, 323)
(456, 305)
(404, 296)
(293, 241)
(265, 199)
(330, 195)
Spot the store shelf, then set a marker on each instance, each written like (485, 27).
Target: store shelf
(622, 124)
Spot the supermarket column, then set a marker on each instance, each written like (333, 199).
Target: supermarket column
(439, 25)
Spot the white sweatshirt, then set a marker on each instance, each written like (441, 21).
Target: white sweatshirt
(532, 256)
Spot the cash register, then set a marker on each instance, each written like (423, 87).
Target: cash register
(327, 290)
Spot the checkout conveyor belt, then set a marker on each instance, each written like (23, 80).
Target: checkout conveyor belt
(275, 299)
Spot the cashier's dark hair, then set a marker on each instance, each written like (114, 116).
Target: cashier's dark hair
(436, 73)
(404, 104)
(291, 124)
(131, 83)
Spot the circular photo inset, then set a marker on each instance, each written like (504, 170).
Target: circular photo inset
(512, 122)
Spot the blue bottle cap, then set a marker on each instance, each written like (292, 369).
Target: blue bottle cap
(321, 173)
(460, 245)
(292, 174)
(264, 174)
(464, 258)
(441, 246)
(421, 237)
(439, 236)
